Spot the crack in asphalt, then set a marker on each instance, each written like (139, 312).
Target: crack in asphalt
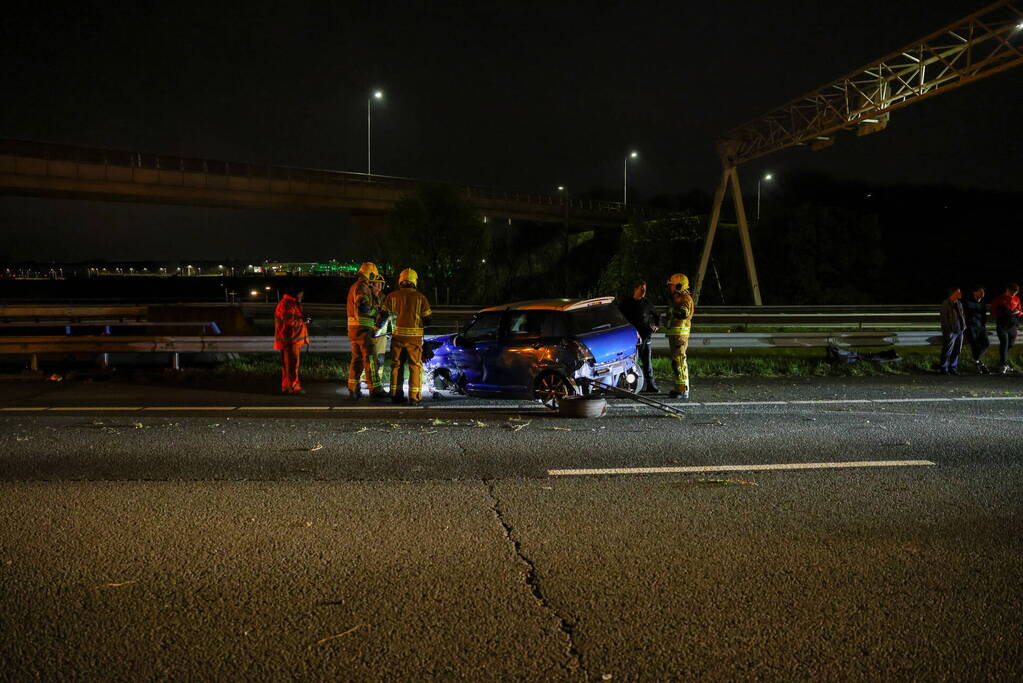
(575, 662)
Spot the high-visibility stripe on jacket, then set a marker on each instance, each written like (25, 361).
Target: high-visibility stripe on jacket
(409, 308)
(679, 319)
(361, 304)
(289, 324)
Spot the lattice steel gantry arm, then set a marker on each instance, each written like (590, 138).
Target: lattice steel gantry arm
(977, 46)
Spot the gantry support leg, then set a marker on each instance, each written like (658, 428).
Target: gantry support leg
(708, 241)
(728, 175)
(747, 247)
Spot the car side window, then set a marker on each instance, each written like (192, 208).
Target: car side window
(525, 324)
(484, 327)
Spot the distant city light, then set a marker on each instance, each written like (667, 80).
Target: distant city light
(253, 293)
(561, 188)
(267, 288)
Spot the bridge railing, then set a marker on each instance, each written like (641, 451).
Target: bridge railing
(269, 172)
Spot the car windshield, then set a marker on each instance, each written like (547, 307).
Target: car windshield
(595, 318)
(484, 327)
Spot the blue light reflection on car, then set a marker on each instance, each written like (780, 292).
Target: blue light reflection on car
(537, 349)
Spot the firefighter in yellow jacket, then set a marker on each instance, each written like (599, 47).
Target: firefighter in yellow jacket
(411, 312)
(676, 328)
(362, 311)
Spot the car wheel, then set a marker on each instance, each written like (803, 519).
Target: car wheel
(552, 387)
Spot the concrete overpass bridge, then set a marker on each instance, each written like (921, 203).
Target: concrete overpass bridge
(52, 170)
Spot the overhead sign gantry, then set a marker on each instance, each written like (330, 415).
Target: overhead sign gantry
(977, 46)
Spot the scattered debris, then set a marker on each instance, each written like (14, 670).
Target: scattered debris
(321, 641)
(712, 423)
(477, 423)
(516, 428)
(217, 425)
(118, 585)
(724, 482)
(425, 431)
(139, 425)
(437, 421)
(360, 430)
(303, 449)
(606, 677)
(559, 429)
(23, 438)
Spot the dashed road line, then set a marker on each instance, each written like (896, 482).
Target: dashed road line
(739, 468)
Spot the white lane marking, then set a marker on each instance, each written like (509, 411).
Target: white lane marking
(989, 398)
(514, 406)
(732, 403)
(180, 408)
(128, 409)
(373, 407)
(283, 407)
(832, 400)
(916, 400)
(739, 468)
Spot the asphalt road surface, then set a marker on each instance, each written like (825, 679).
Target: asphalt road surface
(860, 529)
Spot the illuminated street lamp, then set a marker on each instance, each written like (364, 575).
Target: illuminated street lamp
(377, 95)
(767, 177)
(625, 183)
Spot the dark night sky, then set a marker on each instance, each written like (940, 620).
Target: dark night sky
(519, 95)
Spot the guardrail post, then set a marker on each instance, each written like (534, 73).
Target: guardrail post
(33, 362)
(175, 361)
(104, 361)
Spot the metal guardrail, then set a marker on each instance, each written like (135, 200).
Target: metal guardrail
(108, 324)
(33, 346)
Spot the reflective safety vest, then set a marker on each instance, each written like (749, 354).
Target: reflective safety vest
(680, 315)
(408, 307)
(290, 328)
(361, 305)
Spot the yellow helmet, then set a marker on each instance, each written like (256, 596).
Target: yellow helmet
(369, 271)
(409, 275)
(678, 282)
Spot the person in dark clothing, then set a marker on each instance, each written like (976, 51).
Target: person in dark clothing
(1006, 311)
(975, 312)
(642, 315)
(953, 325)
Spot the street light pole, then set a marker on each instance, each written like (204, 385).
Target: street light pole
(625, 178)
(369, 137)
(766, 177)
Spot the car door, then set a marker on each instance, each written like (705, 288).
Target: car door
(474, 349)
(530, 345)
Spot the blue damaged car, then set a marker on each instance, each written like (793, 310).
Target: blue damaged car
(537, 350)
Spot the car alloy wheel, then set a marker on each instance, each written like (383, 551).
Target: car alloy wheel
(551, 388)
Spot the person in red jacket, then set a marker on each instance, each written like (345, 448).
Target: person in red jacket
(1006, 311)
(291, 333)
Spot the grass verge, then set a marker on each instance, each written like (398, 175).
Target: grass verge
(702, 363)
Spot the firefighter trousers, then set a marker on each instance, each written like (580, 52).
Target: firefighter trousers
(290, 359)
(363, 359)
(677, 346)
(407, 351)
(379, 350)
